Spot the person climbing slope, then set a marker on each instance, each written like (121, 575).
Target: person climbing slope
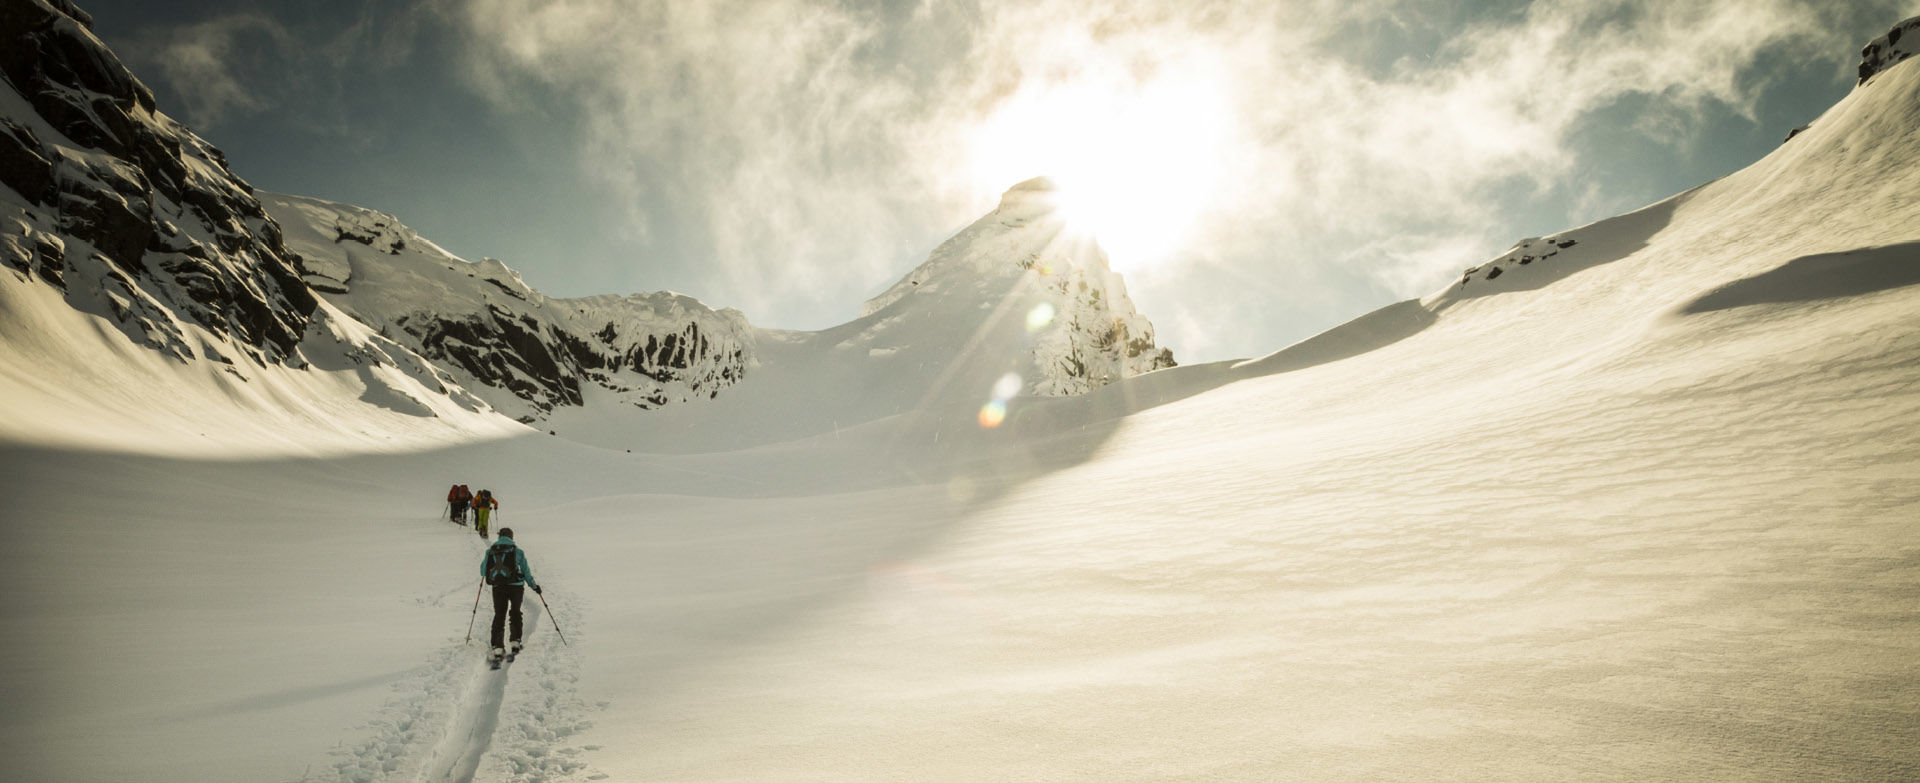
(462, 500)
(483, 505)
(505, 568)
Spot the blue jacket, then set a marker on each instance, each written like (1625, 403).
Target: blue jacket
(520, 556)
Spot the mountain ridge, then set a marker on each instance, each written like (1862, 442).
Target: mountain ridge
(141, 222)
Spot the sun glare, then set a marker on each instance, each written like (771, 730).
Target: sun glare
(1136, 163)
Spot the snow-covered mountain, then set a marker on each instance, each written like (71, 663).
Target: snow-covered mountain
(136, 218)
(1638, 507)
(1015, 294)
(523, 352)
(127, 212)
(1038, 274)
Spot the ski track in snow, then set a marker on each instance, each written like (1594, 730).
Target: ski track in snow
(455, 720)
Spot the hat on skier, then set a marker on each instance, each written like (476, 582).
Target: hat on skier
(506, 532)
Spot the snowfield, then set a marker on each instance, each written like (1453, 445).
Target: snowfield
(1645, 509)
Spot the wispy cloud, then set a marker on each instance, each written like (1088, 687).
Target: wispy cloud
(812, 148)
(206, 62)
(252, 62)
(779, 131)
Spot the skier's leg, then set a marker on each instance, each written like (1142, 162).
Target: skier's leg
(501, 596)
(517, 594)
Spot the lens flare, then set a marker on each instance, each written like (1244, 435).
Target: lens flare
(993, 413)
(1039, 317)
(1006, 387)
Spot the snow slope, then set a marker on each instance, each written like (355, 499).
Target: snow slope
(1015, 295)
(1639, 510)
(523, 352)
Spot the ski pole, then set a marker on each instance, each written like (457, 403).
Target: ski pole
(476, 611)
(556, 623)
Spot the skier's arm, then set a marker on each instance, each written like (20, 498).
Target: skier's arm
(526, 572)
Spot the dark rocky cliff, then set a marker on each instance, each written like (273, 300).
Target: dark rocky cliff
(124, 209)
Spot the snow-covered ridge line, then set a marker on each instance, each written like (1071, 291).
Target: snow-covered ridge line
(1900, 43)
(525, 353)
(1084, 332)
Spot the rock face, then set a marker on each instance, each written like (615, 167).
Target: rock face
(526, 354)
(1888, 50)
(1023, 258)
(1525, 252)
(130, 214)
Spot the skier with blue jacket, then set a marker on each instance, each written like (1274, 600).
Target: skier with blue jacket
(505, 568)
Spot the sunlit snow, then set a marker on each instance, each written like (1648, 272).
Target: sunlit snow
(1645, 510)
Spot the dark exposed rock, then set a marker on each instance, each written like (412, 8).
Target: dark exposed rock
(24, 165)
(95, 163)
(519, 350)
(548, 365)
(107, 206)
(1523, 253)
(1888, 50)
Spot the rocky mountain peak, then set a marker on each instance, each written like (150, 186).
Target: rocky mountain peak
(1022, 261)
(129, 213)
(1898, 44)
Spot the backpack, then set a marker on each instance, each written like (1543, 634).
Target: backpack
(503, 564)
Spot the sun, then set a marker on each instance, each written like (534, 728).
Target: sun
(1136, 163)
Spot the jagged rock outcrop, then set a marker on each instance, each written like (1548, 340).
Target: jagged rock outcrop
(1898, 44)
(1083, 331)
(129, 213)
(526, 354)
(1523, 253)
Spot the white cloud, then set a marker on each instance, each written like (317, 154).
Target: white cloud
(810, 142)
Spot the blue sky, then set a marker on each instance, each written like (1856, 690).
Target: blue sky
(1265, 170)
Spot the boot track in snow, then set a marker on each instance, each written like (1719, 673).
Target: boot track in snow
(456, 720)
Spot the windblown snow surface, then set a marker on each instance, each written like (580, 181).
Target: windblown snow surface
(1642, 510)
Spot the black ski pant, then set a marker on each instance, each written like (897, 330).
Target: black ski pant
(506, 602)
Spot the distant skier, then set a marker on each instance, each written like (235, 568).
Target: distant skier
(460, 499)
(505, 568)
(456, 506)
(483, 505)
